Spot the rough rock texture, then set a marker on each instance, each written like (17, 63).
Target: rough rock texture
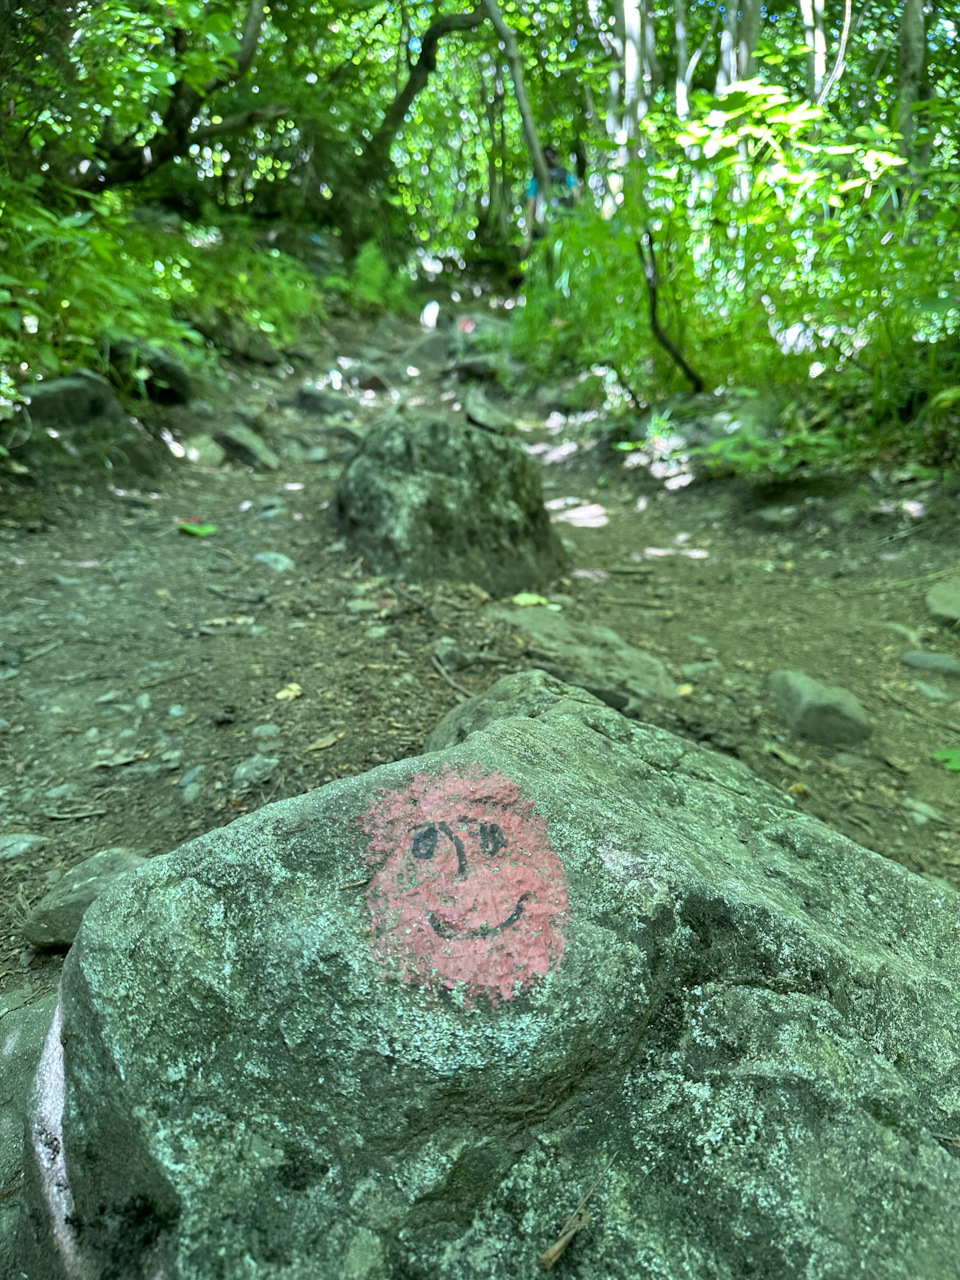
(942, 664)
(817, 711)
(239, 439)
(596, 658)
(314, 399)
(395, 1027)
(24, 1019)
(943, 601)
(80, 400)
(430, 498)
(55, 919)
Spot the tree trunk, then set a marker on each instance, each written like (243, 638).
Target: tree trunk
(914, 85)
(738, 41)
(811, 11)
(509, 42)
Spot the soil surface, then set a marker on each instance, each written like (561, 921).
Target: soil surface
(159, 684)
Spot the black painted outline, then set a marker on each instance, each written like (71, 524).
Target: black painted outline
(492, 840)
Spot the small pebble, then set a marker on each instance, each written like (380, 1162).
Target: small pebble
(16, 843)
(275, 560)
(92, 735)
(268, 730)
(57, 793)
(930, 691)
(143, 701)
(177, 710)
(191, 793)
(192, 775)
(254, 770)
(926, 660)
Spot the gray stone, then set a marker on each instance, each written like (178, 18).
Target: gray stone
(24, 1018)
(254, 771)
(449, 654)
(164, 376)
(944, 664)
(260, 349)
(778, 517)
(430, 350)
(231, 333)
(268, 730)
(275, 560)
(429, 498)
(596, 658)
(54, 921)
(525, 693)
(313, 399)
(482, 413)
(203, 451)
(817, 711)
(13, 844)
(931, 691)
(243, 441)
(943, 601)
(83, 399)
(307, 1045)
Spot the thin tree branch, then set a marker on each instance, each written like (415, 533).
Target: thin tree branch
(425, 65)
(238, 122)
(649, 263)
(838, 66)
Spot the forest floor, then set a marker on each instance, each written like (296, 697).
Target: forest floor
(160, 685)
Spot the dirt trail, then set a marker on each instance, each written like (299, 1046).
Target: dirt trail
(144, 667)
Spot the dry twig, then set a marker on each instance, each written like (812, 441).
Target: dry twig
(576, 1222)
(449, 678)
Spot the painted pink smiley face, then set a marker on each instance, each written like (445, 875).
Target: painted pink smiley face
(468, 891)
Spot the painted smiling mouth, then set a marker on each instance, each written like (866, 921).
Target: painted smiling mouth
(485, 931)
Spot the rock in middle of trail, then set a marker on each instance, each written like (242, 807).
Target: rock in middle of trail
(429, 498)
(397, 1026)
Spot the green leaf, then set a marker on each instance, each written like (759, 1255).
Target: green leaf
(949, 758)
(197, 530)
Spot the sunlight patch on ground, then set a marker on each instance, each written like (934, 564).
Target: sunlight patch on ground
(590, 516)
(691, 553)
(561, 452)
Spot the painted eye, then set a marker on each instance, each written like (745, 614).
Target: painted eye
(425, 841)
(492, 839)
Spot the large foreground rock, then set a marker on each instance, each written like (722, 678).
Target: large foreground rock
(434, 498)
(397, 1026)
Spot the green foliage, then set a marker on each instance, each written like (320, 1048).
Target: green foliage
(226, 266)
(371, 284)
(950, 758)
(784, 251)
(72, 283)
(77, 287)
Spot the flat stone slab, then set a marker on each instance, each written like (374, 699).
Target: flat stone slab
(943, 601)
(943, 664)
(54, 921)
(397, 1026)
(819, 712)
(596, 658)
